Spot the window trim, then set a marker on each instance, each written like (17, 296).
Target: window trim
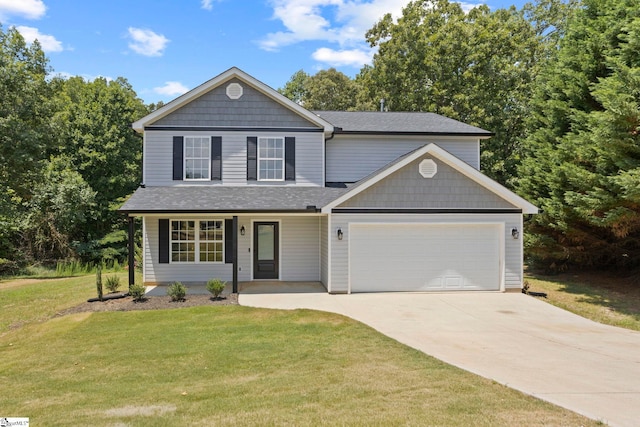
(207, 141)
(196, 241)
(260, 158)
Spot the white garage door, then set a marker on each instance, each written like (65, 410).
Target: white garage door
(421, 257)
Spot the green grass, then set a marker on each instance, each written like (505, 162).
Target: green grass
(26, 301)
(601, 297)
(232, 365)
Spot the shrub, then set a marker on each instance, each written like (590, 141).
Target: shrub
(216, 286)
(112, 283)
(99, 282)
(137, 291)
(177, 291)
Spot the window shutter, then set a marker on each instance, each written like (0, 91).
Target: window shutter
(290, 158)
(216, 158)
(252, 158)
(163, 244)
(228, 241)
(178, 154)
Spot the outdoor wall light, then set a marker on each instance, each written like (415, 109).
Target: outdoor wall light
(242, 231)
(515, 233)
(340, 234)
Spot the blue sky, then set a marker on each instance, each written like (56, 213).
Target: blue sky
(166, 47)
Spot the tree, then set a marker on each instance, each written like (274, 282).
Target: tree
(94, 124)
(326, 90)
(582, 164)
(476, 67)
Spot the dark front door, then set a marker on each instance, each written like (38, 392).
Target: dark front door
(265, 250)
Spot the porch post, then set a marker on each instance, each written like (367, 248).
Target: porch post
(235, 254)
(132, 267)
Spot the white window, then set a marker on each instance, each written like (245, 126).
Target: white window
(197, 158)
(202, 244)
(270, 159)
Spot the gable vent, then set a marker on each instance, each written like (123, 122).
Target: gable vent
(428, 168)
(234, 91)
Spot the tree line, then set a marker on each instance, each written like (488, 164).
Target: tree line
(557, 81)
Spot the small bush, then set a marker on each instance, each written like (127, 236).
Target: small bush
(177, 291)
(216, 286)
(112, 283)
(99, 282)
(137, 291)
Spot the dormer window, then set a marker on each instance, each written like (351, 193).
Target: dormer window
(197, 158)
(270, 159)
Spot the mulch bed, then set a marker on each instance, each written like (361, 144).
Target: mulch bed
(150, 303)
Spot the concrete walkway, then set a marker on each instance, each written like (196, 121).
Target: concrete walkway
(514, 339)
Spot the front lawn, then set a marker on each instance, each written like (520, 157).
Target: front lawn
(232, 365)
(601, 297)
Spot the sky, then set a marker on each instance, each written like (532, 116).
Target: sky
(166, 47)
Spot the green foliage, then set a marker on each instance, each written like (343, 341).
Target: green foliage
(216, 286)
(137, 291)
(8, 267)
(296, 88)
(112, 283)
(326, 90)
(475, 66)
(73, 267)
(177, 291)
(583, 154)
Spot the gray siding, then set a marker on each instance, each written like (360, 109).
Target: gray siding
(340, 249)
(324, 250)
(158, 161)
(299, 252)
(406, 188)
(351, 158)
(253, 109)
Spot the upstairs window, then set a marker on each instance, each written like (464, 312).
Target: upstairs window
(270, 159)
(197, 158)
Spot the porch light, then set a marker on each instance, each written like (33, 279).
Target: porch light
(242, 230)
(515, 233)
(340, 234)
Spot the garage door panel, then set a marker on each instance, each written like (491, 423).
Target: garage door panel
(420, 257)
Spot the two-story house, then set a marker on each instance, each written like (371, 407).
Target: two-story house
(242, 184)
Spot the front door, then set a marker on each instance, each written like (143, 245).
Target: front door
(265, 250)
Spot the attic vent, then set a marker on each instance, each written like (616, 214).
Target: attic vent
(428, 168)
(234, 91)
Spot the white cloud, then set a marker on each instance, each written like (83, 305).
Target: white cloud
(30, 9)
(171, 89)
(339, 58)
(146, 42)
(337, 21)
(48, 42)
(207, 4)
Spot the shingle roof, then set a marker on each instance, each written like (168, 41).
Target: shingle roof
(207, 198)
(397, 122)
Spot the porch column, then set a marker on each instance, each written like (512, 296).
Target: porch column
(132, 262)
(235, 254)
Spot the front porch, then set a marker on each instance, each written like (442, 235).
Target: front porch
(249, 287)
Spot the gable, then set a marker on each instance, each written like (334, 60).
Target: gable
(216, 109)
(447, 189)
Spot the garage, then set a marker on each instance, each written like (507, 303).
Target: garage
(424, 257)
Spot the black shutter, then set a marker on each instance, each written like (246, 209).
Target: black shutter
(178, 153)
(228, 241)
(163, 235)
(289, 158)
(252, 158)
(216, 158)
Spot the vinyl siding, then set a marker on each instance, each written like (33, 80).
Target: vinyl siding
(406, 188)
(299, 252)
(512, 247)
(324, 250)
(158, 164)
(253, 109)
(351, 158)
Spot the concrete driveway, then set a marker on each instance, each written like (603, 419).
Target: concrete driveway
(514, 339)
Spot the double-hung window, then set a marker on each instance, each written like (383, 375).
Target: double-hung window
(197, 158)
(197, 241)
(271, 159)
